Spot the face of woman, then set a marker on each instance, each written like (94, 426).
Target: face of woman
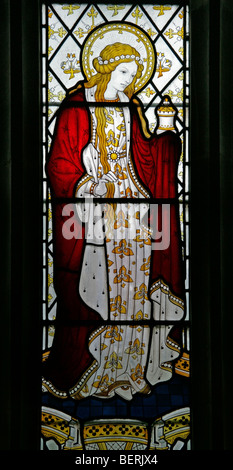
(123, 75)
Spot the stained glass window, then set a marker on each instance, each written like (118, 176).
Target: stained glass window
(116, 347)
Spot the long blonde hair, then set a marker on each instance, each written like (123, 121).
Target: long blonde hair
(110, 57)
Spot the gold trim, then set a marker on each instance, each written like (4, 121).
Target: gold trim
(73, 448)
(168, 128)
(142, 119)
(129, 446)
(102, 446)
(179, 365)
(83, 180)
(45, 356)
(85, 377)
(52, 389)
(174, 346)
(74, 89)
(166, 109)
(96, 334)
(112, 101)
(110, 431)
(166, 290)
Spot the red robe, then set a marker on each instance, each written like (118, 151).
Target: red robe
(155, 162)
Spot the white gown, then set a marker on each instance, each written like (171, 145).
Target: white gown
(116, 272)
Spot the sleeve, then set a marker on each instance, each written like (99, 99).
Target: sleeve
(64, 167)
(90, 161)
(156, 158)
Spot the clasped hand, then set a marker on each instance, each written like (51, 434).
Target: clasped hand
(101, 188)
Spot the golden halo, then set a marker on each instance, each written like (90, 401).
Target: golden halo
(126, 33)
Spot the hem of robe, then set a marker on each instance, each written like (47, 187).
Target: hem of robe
(76, 391)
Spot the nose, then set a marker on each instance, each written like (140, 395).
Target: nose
(127, 79)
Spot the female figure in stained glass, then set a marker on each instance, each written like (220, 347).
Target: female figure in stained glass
(108, 277)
